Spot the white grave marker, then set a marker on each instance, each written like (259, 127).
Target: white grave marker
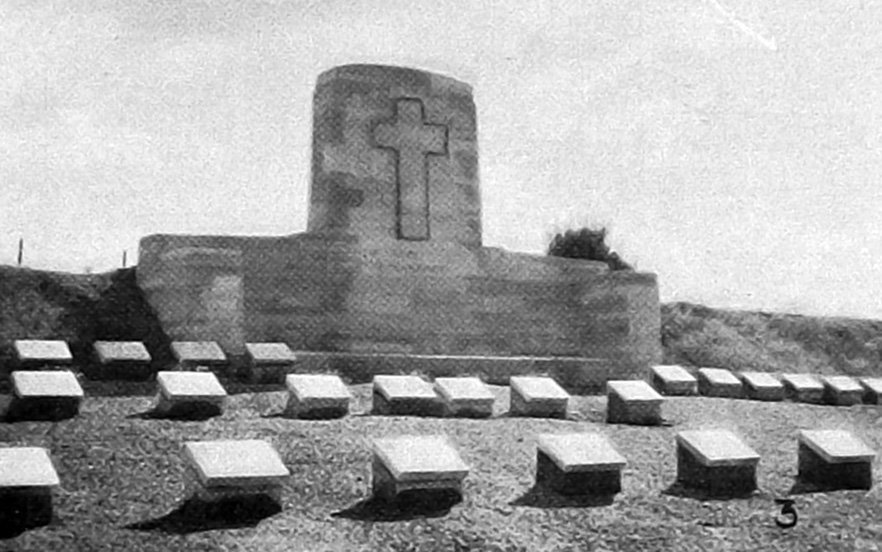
(803, 388)
(872, 390)
(716, 461)
(121, 360)
(404, 395)
(578, 464)
(191, 354)
(44, 395)
(537, 396)
(466, 397)
(269, 361)
(42, 352)
(717, 382)
(314, 396)
(182, 394)
(219, 470)
(670, 379)
(416, 463)
(842, 390)
(762, 386)
(27, 478)
(835, 459)
(632, 402)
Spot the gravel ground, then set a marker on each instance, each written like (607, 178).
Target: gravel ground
(122, 482)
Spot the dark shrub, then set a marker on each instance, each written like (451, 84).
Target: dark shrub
(586, 244)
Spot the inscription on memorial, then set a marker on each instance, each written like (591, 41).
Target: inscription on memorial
(411, 138)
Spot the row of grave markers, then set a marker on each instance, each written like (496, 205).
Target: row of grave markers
(576, 464)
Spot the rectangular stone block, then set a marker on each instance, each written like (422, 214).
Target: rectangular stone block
(466, 397)
(578, 464)
(716, 461)
(762, 386)
(404, 396)
(538, 397)
(220, 470)
(120, 360)
(189, 394)
(192, 354)
(671, 379)
(717, 382)
(269, 362)
(27, 478)
(803, 388)
(316, 396)
(32, 353)
(632, 402)
(44, 395)
(842, 390)
(835, 459)
(872, 390)
(416, 463)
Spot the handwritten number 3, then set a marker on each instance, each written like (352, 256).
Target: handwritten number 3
(787, 509)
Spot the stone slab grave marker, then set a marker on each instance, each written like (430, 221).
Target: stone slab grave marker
(670, 379)
(578, 464)
(404, 396)
(189, 394)
(762, 386)
(842, 390)
(872, 390)
(230, 469)
(537, 396)
(120, 360)
(44, 395)
(414, 464)
(803, 388)
(392, 262)
(269, 362)
(835, 459)
(633, 402)
(717, 382)
(192, 355)
(316, 396)
(34, 353)
(27, 478)
(716, 461)
(466, 396)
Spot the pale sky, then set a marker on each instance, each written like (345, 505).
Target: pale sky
(732, 147)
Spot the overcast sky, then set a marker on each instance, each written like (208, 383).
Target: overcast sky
(732, 147)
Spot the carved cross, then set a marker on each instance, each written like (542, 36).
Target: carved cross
(411, 138)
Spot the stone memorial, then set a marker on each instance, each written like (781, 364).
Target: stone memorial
(316, 396)
(803, 388)
(269, 362)
(842, 390)
(671, 379)
(467, 397)
(27, 478)
(404, 396)
(633, 402)
(416, 464)
(120, 360)
(233, 469)
(762, 386)
(184, 394)
(835, 459)
(716, 461)
(197, 355)
(44, 395)
(35, 353)
(872, 390)
(578, 464)
(392, 261)
(717, 382)
(538, 397)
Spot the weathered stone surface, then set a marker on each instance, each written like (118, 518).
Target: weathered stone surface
(842, 390)
(716, 461)
(466, 397)
(27, 478)
(578, 464)
(671, 379)
(392, 261)
(219, 470)
(803, 388)
(633, 402)
(269, 362)
(36, 352)
(872, 390)
(183, 394)
(314, 396)
(44, 395)
(538, 396)
(717, 382)
(762, 386)
(835, 459)
(416, 463)
(405, 395)
(120, 360)
(189, 354)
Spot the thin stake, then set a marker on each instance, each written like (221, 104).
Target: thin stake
(20, 249)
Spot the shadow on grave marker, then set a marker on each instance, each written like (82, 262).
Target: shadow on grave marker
(408, 505)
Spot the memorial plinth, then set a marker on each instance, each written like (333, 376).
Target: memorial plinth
(392, 260)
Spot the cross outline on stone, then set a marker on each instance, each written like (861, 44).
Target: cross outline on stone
(411, 139)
